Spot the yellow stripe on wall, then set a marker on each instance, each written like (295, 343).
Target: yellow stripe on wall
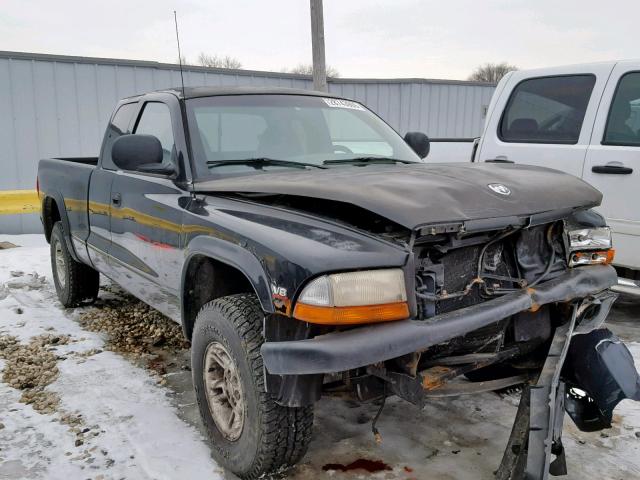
(14, 202)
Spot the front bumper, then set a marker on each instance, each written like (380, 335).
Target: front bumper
(359, 347)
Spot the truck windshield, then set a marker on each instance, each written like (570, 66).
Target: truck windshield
(310, 130)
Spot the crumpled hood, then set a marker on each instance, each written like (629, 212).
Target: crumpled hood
(420, 194)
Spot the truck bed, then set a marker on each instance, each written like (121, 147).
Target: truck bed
(66, 181)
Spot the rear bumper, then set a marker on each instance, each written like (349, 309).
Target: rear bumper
(340, 351)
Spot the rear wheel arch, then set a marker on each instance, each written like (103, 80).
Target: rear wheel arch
(52, 211)
(50, 215)
(206, 278)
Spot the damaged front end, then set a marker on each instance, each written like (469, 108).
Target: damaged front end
(491, 308)
(558, 350)
(587, 372)
(599, 373)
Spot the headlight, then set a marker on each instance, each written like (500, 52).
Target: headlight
(590, 239)
(590, 246)
(353, 298)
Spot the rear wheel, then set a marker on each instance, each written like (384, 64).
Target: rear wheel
(251, 435)
(75, 282)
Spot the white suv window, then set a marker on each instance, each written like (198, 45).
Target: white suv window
(623, 124)
(547, 110)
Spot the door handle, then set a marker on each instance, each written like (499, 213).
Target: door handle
(116, 199)
(612, 169)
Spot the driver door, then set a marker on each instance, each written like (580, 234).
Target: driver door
(146, 222)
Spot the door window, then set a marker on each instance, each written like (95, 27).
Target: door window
(623, 124)
(547, 110)
(118, 126)
(156, 121)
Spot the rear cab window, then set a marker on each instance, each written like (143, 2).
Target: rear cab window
(547, 110)
(623, 123)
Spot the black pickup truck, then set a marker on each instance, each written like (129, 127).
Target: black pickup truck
(302, 243)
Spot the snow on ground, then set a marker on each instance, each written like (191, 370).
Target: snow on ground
(146, 430)
(139, 436)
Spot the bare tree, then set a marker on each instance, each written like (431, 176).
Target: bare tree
(218, 61)
(184, 60)
(491, 72)
(307, 69)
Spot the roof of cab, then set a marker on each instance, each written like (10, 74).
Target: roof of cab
(196, 92)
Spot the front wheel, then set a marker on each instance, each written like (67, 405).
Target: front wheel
(251, 434)
(75, 282)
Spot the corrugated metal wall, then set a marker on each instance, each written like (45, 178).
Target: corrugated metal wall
(58, 106)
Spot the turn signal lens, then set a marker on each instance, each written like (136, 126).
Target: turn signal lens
(592, 258)
(351, 315)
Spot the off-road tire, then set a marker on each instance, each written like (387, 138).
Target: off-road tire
(273, 437)
(81, 283)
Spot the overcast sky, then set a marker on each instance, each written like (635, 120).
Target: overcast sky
(364, 38)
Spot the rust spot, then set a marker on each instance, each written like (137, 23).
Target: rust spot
(409, 363)
(371, 466)
(408, 469)
(435, 377)
(534, 306)
(281, 304)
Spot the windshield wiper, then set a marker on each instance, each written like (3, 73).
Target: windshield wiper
(338, 161)
(259, 162)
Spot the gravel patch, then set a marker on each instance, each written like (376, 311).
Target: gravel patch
(132, 326)
(31, 368)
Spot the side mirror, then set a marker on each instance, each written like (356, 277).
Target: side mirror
(137, 152)
(418, 142)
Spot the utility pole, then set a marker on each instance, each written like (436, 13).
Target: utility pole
(317, 45)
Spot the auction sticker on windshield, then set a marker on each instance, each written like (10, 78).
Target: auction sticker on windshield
(340, 103)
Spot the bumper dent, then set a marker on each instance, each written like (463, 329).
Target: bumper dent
(340, 351)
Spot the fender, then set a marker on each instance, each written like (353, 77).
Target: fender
(62, 211)
(233, 255)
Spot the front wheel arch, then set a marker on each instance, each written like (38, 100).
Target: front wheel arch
(206, 278)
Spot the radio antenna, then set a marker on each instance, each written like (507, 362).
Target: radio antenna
(175, 19)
